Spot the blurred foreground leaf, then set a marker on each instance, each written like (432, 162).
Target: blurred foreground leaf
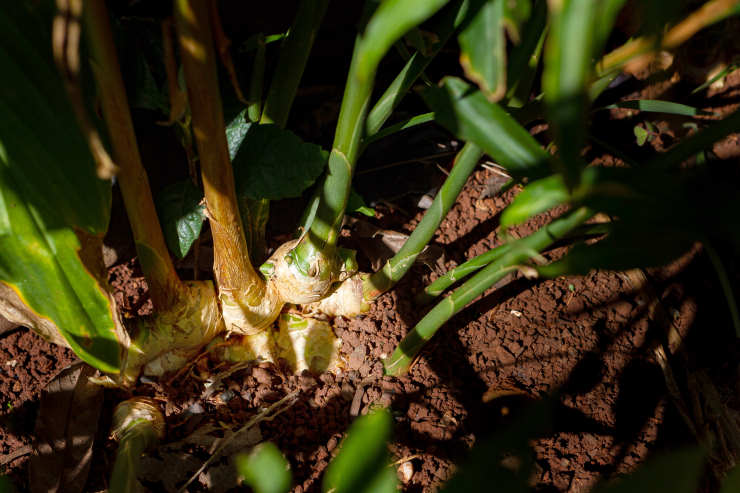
(536, 197)
(362, 463)
(265, 469)
(53, 207)
(677, 471)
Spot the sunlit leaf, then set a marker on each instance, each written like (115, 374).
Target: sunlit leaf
(641, 135)
(53, 208)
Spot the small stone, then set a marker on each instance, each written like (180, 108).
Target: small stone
(405, 471)
(226, 395)
(331, 444)
(357, 358)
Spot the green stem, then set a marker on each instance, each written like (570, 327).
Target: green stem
(292, 62)
(395, 268)
(415, 66)
(392, 19)
(461, 271)
(254, 110)
(724, 281)
(520, 251)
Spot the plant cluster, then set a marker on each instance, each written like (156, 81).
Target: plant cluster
(523, 61)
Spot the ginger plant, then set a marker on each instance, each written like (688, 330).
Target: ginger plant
(242, 302)
(55, 174)
(53, 240)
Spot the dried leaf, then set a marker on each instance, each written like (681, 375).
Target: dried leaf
(379, 245)
(494, 184)
(65, 431)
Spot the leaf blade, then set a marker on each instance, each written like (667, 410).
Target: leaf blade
(466, 113)
(181, 214)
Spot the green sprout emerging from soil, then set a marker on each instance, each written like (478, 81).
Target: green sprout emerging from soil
(67, 133)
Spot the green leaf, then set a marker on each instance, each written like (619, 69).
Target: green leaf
(641, 134)
(356, 203)
(677, 471)
(568, 64)
(270, 162)
(525, 57)
(52, 200)
(265, 469)
(181, 214)
(483, 48)
(39, 137)
(400, 126)
(535, 198)
(443, 26)
(362, 463)
(657, 106)
(391, 20)
(466, 113)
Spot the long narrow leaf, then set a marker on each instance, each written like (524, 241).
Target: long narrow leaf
(535, 198)
(567, 70)
(443, 25)
(465, 112)
(657, 106)
(525, 57)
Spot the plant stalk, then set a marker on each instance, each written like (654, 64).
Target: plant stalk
(165, 287)
(292, 62)
(412, 70)
(138, 425)
(392, 20)
(234, 272)
(461, 271)
(396, 267)
(520, 251)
